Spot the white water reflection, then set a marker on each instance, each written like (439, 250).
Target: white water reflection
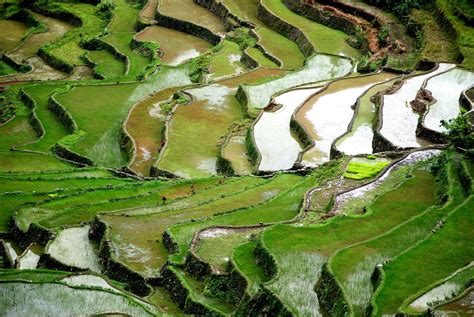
(278, 148)
(318, 68)
(447, 88)
(399, 120)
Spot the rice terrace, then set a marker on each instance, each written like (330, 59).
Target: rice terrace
(236, 157)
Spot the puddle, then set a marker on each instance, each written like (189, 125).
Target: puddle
(278, 148)
(89, 281)
(446, 88)
(73, 247)
(318, 68)
(327, 115)
(176, 46)
(359, 139)
(399, 120)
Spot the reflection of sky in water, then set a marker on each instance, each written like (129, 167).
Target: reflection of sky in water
(319, 67)
(272, 133)
(399, 120)
(447, 88)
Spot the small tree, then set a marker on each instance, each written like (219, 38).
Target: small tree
(460, 132)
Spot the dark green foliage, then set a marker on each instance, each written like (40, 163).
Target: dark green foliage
(252, 151)
(242, 37)
(198, 67)
(460, 132)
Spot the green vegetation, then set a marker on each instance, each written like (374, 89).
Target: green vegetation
(145, 173)
(359, 170)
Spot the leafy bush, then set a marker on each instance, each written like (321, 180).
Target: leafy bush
(460, 132)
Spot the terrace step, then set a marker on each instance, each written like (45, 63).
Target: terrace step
(353, 266)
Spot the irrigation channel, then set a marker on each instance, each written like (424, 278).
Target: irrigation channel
(235, 157)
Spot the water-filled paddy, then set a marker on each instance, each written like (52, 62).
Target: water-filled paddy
(317, 68)
(359, 139)
(55, 29)
(73, 247)
(187, 10)
(145, 124)
(10, 40)
(192, 146)
(327, 115)
(278, 147)
(399, 120)
(177, 47)
(446, 88)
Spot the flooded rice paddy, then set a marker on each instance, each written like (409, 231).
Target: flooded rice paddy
(359, 139)
(176, 47)
(73, 248)
(446, 88)
(278, 147)
(317, 68)
(327, 115)
(399, 120)
(11, 39)
(187, 10)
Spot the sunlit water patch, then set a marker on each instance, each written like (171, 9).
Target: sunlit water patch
(318, 68)
(278, 148)
(359, 139)
(399, 120)
(446, 88)
(327, 115)
(73, 247)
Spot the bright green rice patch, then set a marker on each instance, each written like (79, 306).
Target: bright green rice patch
(323, 38)
(67, 48)
(436, 258)
(100, 110)
(359, 170)
(108, 65)
(17, 131)
(283, 207)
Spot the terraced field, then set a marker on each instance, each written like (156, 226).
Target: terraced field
(236, 157)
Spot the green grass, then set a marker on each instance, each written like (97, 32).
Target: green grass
(276, 44)
(54, 129)
(353, 266)
(465, 34)
(108, 65)
(244, 260)
(323, 240)
(359, 170)
(67, 48)
(217, 250)
(17, 131)
(30, 162)
(323, 38)
(261, 59)
(100, 110)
